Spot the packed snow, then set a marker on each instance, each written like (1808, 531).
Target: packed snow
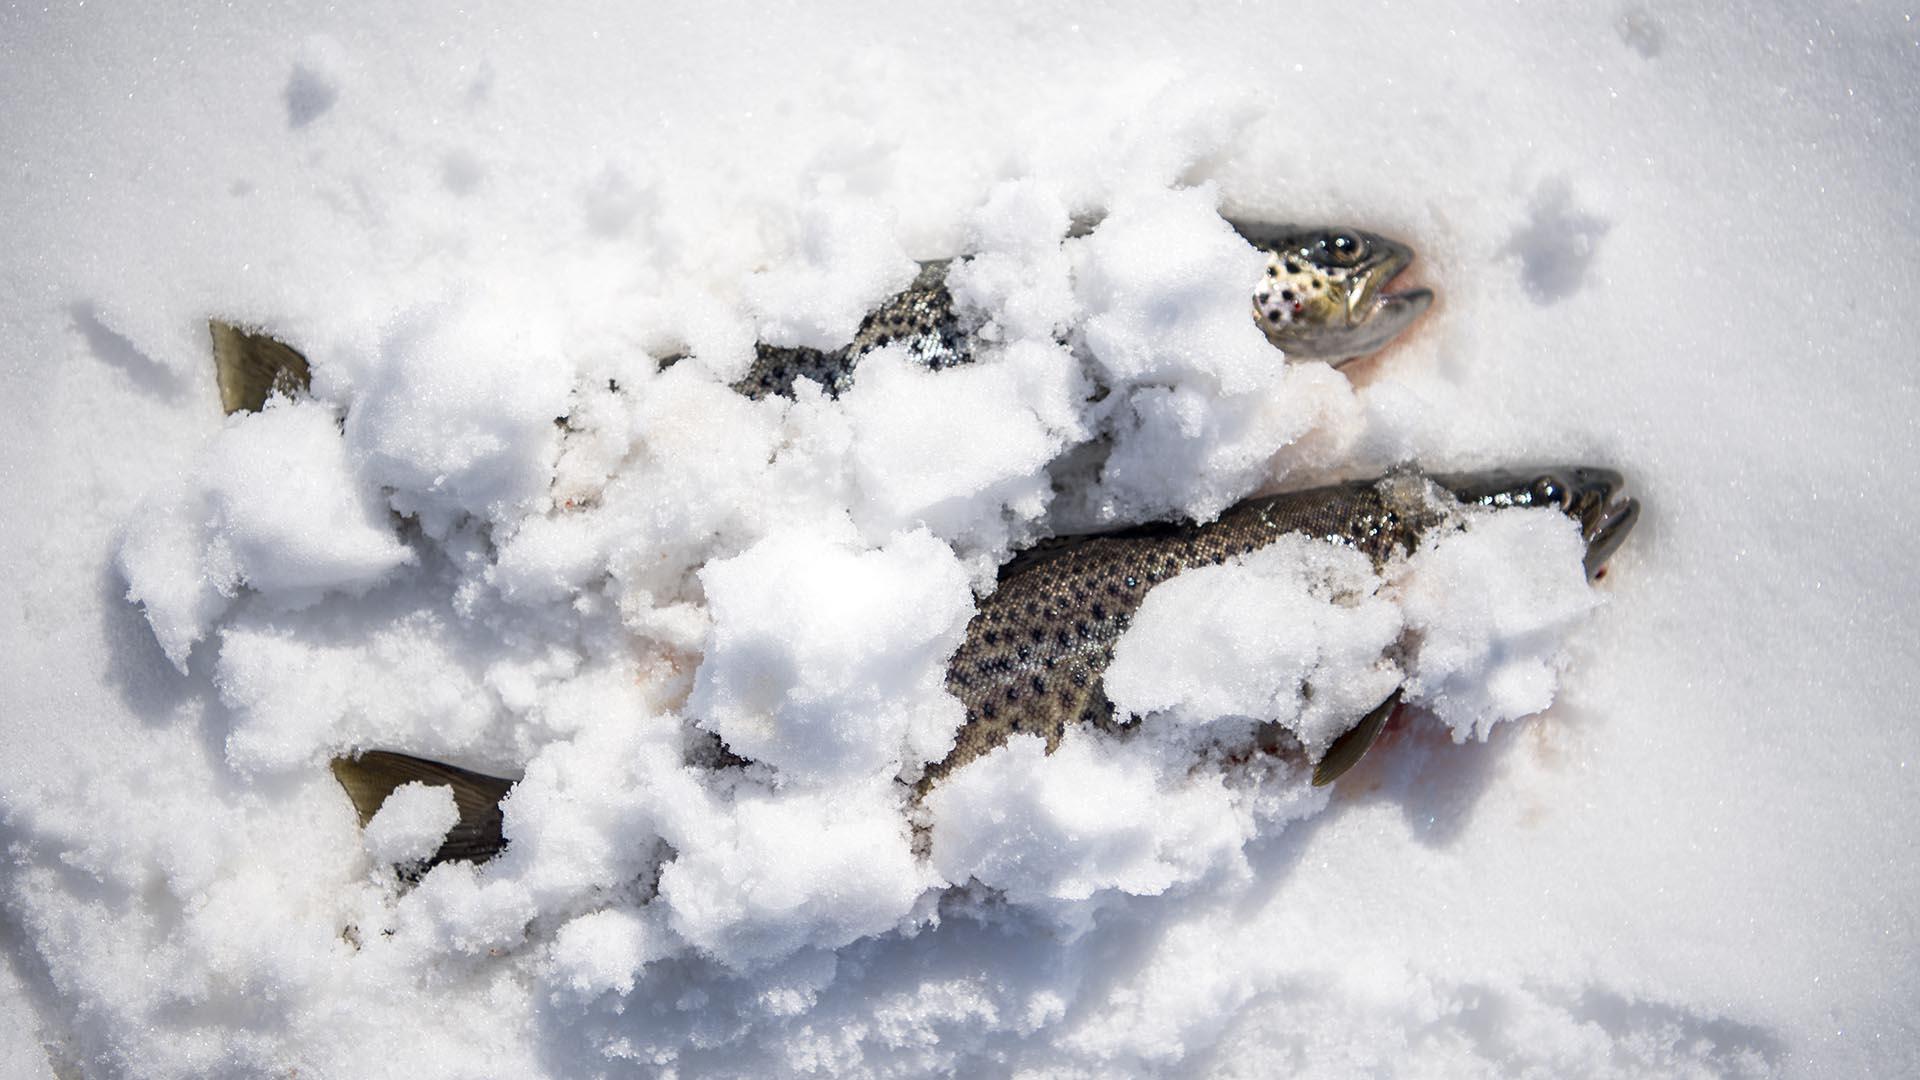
(1650, 826)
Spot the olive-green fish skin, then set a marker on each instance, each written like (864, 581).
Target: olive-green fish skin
(1036, 650)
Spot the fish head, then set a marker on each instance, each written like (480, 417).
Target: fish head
(1324, 296)
(1587, 494)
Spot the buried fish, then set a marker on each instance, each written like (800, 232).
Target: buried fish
(1323, 297)
(1037, 648)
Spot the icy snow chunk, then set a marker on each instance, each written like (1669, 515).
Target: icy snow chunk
(1020, 274)
(1189, 451)
(953, 450)
(1490, 606)
(1295, 633)
(457, 416)
(273, 505)
(846, 262)
(829, 662)
(783, 871)
(1094, 815)
(1202, 402)
(604, 951)
(163, 557)
(411, 824)
(289, 516)
(302, 687)
(1165, 283)
(455, 910)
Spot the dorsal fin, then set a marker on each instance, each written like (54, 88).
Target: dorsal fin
(477, 836)
(253, 367)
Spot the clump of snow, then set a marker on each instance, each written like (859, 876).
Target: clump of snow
(1093, 816)
(1013, 415)
(1296, 634)
(604, 951)
(411, 824)
(1490, 607)
(1202, 403)
(829, 663)
(844, 262)
(457, 417)
(274, 505)
(779, 872)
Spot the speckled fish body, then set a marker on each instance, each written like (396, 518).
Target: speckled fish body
(1322, 298)
(1035, 653)
(1037, 648)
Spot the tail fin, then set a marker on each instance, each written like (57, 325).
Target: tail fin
(252, 367)
(476, 837)
(1347, 750)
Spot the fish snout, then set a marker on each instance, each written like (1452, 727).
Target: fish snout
(1590, 495)
(1595, 499)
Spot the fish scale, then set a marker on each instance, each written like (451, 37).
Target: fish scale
(1037, 649)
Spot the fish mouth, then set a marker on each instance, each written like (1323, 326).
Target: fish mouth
(1606, 531)
(1376, 316)
(1372, 300)
(1597, 499)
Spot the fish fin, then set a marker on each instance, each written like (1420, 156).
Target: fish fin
(1347, 750)
(253, 367)
(476, 837)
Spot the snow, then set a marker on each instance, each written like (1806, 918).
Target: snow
(1296, 634)
(828, 663)
(1675, 242)
(410, 825)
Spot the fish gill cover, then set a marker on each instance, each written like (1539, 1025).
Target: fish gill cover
(617, 608)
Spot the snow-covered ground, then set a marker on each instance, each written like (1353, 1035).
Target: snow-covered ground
(1673, 239)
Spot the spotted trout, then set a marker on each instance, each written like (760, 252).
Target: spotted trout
(1037, 648)
(1323, 297)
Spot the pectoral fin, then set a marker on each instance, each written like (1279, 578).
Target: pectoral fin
(476, 837)
(253, 367)
(1347, 750)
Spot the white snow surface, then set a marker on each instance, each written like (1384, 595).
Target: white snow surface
(1654, 827)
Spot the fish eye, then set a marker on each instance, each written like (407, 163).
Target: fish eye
(1548, 491)
(1343, 249)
